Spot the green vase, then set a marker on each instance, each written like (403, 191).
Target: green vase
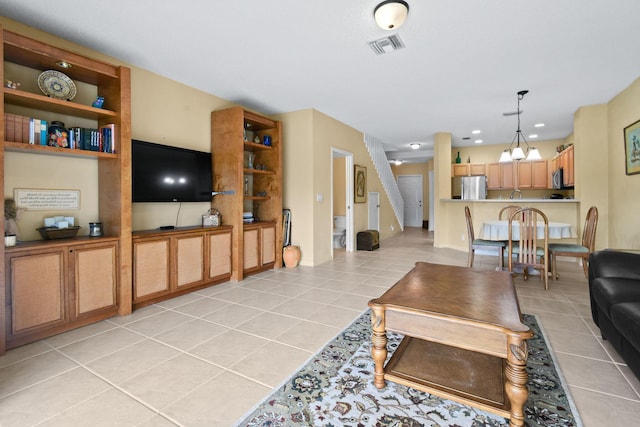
(458, 159)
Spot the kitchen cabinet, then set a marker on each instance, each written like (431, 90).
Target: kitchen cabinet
(259, 242)
(532, 174)
(468, 169)
(253, 172)
(501, 176)
(171, 263)
(566, 163)
(57, 286)
(24, 59)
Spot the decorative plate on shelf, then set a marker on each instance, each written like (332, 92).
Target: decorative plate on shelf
(56, 85)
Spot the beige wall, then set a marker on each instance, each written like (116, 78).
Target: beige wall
(416, 169)
(339, 187)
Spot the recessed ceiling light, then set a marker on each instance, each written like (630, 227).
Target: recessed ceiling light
(475, 132)
(465, 138)
(414, 146)
(478, 141)
(533, 136)
(398, 162)
(63, 64)
(538, 125)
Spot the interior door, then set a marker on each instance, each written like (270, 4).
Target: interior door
(374, 210)
(411, 190)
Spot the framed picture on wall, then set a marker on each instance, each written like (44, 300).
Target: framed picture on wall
(360, 190)
(632, 148)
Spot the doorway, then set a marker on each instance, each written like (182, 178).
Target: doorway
(411, 189)
(337, 178)
(374, 210)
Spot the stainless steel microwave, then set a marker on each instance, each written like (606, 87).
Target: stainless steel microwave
(557, 179)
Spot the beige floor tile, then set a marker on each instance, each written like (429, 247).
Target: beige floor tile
(564, 322)
(280, 359)
(79, 334)
(138, 314)
(180, 300)
(335, 316)
(263, 300)
(226, 349)
(48, 398)
(339, 285)
(594, 375)
(100, 345)
(370, 291)
(268, 325)
(288, 290)
(191, 334)
(319, 294)
(352, 301)
(157, 420)
(573, 343)
(546, 305)
(202, 307)
(602, 410)
(308, 336)
(236, 294)
(158, 323)
(121, 365)
(220, 402)
(633, 381)
(32, 370)
(299, 308)
(24, 352)
(171, 381)
(233, 315)
(113, 408)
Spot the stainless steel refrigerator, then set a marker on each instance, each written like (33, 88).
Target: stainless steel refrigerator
(469, 187)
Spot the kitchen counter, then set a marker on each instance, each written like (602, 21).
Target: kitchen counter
(512, 201)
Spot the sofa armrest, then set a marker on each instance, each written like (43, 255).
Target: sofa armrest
(614, 264)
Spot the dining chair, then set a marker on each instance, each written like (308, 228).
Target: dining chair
(507, 211)
(496, 245)
(528, 249)
(577, 251)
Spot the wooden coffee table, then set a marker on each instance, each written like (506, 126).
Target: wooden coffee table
(464, 339)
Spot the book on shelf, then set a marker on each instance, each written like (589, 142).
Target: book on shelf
(29, 130)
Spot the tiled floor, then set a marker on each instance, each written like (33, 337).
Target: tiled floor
(206, 358)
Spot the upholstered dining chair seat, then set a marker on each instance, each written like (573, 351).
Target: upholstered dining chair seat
(561, 247)
(539, 251)
(492, 243)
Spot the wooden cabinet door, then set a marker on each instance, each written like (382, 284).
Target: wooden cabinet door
(568, 171)
(150, 268)
(460, 169)
(524, 175)
(36, 297)
(94, 278)
(508, 176)
(494, 176)
(219, 254)
(477, 169)
(189, 260)
(539, 175)
(268, 245)
(251, 250)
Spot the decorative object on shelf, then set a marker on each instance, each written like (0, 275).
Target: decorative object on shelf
(98, 102)
(391, 14)
(632, 148)
(468, 159)
(517, 153)
(10, 240)
(256, 139)
(95, 229)
(50, 233)
(266, 140)
(262, 194)
(11, 215)
(360, 191)
(246, 186)
(57, 85)
(458, 159)
(58, 135)
(251, 158)
(291, 256)
(212, 218)
(11, 84)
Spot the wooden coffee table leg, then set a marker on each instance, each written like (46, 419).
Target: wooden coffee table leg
(516, 384)
(379, 347)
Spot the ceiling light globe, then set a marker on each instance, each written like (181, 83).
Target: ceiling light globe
(534, 154)
(517, 154)
(391, 14)
(505, 156)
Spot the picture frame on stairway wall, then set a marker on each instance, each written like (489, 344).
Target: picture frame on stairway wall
(632, 148)
(360, 183)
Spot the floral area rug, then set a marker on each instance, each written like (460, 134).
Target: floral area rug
(335, 388)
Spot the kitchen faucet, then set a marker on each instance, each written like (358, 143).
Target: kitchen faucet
(516, 191)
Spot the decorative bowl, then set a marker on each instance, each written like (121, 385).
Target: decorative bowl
(58, 233)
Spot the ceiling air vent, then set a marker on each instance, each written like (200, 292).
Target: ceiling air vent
(387, 44)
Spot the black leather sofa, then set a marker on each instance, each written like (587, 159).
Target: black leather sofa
(614, 289)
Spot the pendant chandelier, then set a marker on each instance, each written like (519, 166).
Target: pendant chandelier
(518, 153)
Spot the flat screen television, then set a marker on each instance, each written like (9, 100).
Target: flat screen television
(161, 173)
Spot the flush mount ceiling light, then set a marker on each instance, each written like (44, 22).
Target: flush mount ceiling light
(391, 14)
(518, 153)
(414, 146)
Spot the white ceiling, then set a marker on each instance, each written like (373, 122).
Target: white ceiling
(464, 61)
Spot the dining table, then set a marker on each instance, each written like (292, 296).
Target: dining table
(499, 230)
